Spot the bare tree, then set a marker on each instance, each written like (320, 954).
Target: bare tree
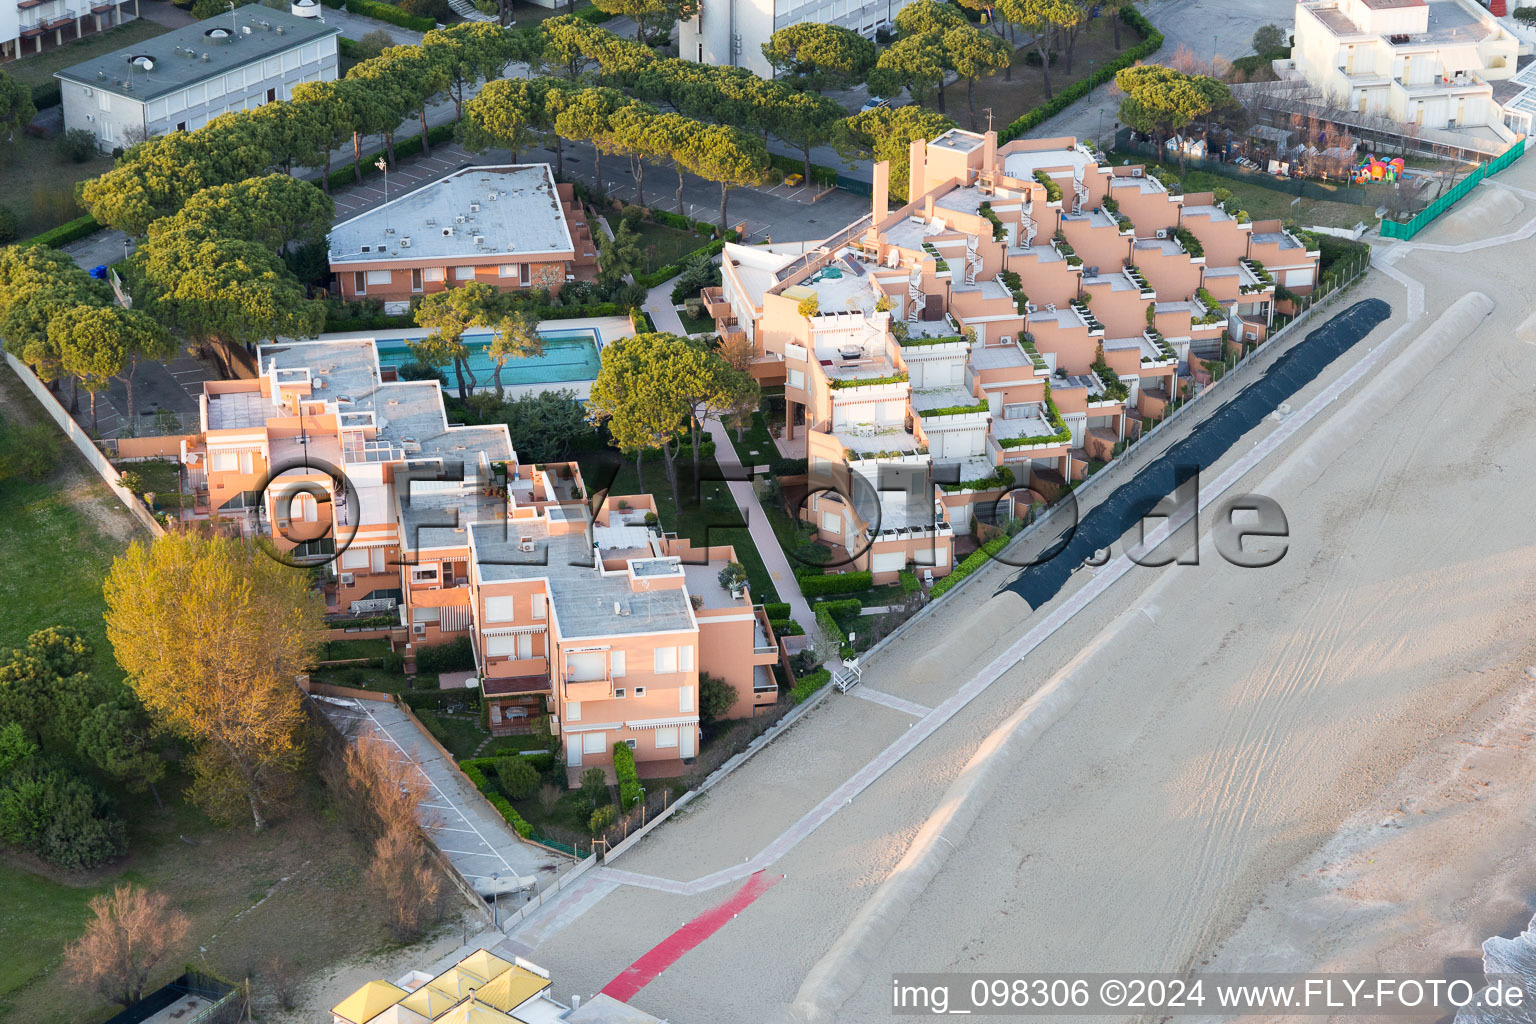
(406, 881)
(282, 981)
(132, 932)
(379, 791)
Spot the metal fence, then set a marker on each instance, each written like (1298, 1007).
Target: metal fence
(1421, 220)
(227, 1000)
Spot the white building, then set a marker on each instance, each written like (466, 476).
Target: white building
(26, 24)
(1429, 63)
(732, 32)
(183, 79)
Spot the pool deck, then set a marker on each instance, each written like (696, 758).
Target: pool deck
(608, 328)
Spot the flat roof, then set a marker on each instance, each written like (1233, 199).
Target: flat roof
(411, 421)
(1388, 5)
(193, 53)
(587, 601)
(485, 213)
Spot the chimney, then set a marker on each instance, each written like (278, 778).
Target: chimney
(882, 192)
(989, 152)
(917, 160)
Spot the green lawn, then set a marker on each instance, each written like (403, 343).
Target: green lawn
(711, 519)
(755, 438)
(662, 245)
(39, 186)
(341, 650)
(38, 68)
(41, 917)
(1274, 204)
(696, 325)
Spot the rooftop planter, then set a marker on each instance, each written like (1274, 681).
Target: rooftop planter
(1062, 246)
(1087, 315)
(954, 410)
(1027, 343)
(867, 382)
(1053, 417)
(1140, 280)
(1052, 190)
(1010, 280)
(1214, 314)
(1266, 279)
(940, 264)
(999, 233)
(1001, 479)
(1155, 336)
(1189, 242)
(948, 339)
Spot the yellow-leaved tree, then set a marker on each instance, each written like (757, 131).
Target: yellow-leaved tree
(212, 634)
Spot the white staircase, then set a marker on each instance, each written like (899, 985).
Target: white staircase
(467, 11)
(915, 297)
(848, 676)
(1028, 224)
(972, 258)
(1079, 193)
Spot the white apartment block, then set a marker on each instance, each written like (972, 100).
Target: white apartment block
(731, 33)
(1429, 63)
(26, 24)
(182, 80)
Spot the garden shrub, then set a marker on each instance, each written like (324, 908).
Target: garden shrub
(454, 656)
(975, 560)
(776, 609)
(629, 778)
(814, 584)
(519, 779)
(603, 817)
(809, 684)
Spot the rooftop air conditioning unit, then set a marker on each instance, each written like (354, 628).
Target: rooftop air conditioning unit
(474, 207)
(1162, 232)
(493, 197)
(405, 243)
(346, 579)
(459, 219)
(203, 58)
(525, 543)
(479, 239)
(447, 232)
(1135, 172)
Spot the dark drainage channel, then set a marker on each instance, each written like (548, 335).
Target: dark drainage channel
(1133, 500)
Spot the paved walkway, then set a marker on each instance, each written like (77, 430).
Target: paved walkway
(476, 840)
(658, 303)
(763, 536)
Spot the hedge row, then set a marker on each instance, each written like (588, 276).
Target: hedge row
(786, 627)
(809, 684)
(826, 613)
(789, 467)
(47, 94)
(543, 760)
(671, 270)
(519, 824)
(393, 15)
(402, 321)
(814, 584)
(70, 231)
(973, 561)
(409, 145)
(629, 779)
(820, 174)
(776, 609)
(420, 700)
(1150, 44)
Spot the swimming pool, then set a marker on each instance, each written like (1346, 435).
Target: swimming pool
(570, 354)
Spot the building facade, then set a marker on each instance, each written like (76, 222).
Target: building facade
(513, 227)
(27, 25)
(1428, 63)
(731, 33)
(582, 613)
(182, 80)
(983, 346)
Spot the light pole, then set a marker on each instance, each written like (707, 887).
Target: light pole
(383, 165)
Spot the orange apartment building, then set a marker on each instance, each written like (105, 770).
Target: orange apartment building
(510, 226)
(595, 619)
(1030, 309)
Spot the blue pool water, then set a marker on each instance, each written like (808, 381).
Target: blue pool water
(569, 355)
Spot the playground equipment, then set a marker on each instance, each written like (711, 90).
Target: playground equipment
(1372, 169)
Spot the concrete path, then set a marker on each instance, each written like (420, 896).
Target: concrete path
(762, 532)
(658, 303)
(478, 841)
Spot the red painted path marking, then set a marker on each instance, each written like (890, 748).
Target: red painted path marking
(669, 950)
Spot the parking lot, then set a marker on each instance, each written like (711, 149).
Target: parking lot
(475, 838)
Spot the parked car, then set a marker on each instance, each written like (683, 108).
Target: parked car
(874, 103)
